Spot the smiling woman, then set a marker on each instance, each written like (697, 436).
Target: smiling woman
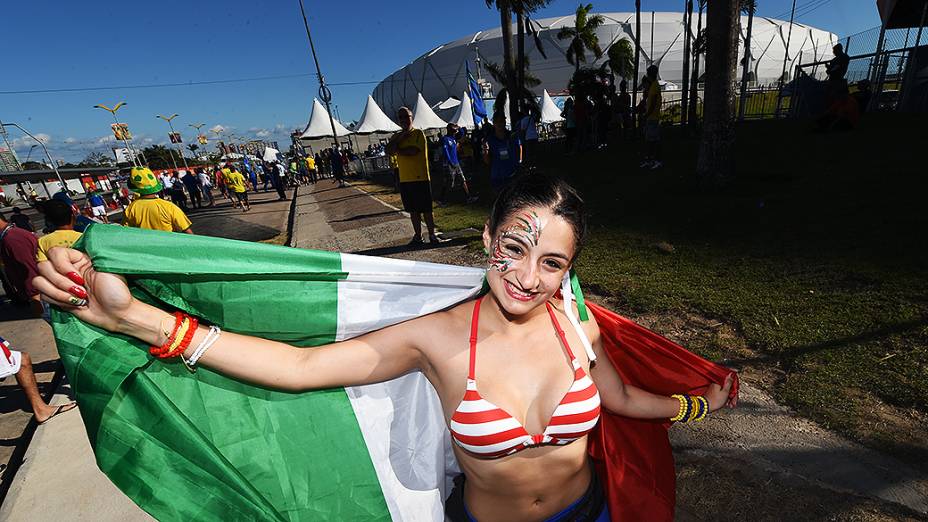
(542, 409)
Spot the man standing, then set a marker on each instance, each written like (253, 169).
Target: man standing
(21, 220)
(192, 183)
(338, 168)
(207, 185)
(652, 122)
(150, 211)
(236, 184)
(18, 249)
(415, 188)
(449, 147)
(280, 180)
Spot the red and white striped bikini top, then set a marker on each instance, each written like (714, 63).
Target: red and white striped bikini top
(485, 430)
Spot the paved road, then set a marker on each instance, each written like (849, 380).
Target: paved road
(58, 458)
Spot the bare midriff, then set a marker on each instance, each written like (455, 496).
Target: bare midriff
(531, 485)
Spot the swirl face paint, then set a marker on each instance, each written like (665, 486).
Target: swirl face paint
(526, 231)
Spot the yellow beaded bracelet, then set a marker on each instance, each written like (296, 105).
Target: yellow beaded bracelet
(705, 408)
(683, 407)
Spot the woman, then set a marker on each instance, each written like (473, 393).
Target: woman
(522, 452)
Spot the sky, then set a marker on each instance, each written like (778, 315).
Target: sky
(70, 45)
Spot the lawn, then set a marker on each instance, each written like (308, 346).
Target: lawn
(815, 256)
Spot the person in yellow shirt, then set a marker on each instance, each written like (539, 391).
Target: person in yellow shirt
(150, 211)
(652, 121)
(236, 183)
(311, 167)
(411, 152)
(60, 218)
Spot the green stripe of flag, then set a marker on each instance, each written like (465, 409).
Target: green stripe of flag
(184, 446)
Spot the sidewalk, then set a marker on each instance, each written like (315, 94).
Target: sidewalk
(59, 479)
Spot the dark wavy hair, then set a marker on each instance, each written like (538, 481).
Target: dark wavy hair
(535, 189)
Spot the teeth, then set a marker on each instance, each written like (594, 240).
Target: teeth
(517, 291)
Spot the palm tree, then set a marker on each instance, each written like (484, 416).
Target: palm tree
(715, 165)
(687, 33)
(582, 35)
(505, 24)
(698, 49)
(621, 59)
(193, 149)
(523, 9)
(747, 6)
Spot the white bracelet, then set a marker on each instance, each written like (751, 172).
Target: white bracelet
(211, 337)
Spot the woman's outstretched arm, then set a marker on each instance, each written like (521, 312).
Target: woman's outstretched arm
(69, 277)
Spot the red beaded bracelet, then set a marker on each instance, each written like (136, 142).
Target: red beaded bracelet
(160, 350)
(185, 340)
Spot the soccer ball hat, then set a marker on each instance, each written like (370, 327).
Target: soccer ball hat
(143, 181)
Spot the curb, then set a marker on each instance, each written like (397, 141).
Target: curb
(16, 459)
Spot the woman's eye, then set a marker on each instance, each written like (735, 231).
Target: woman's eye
(514, 249)
(553, 264)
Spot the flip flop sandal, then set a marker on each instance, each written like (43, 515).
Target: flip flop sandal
(60, 409)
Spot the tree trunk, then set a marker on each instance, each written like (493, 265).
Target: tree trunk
(517, 103)
(715, 166)
(637, 58)
(742, 98)
(687, 26)
(505, 21)
(693, 118)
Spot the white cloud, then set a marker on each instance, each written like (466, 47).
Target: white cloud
(70, 140)
(263, 133)
(217, 128)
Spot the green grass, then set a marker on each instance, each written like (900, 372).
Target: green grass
(815, 256)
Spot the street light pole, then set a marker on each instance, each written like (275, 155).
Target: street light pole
(179, 149)
(324, 91)
(125, 140)
(197, 127)
(47, 155)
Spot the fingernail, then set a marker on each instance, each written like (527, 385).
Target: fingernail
(76, 301)
(76, 278)
(78, 291)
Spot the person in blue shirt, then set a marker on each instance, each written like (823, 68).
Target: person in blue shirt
(502, 151)
(97, 206)
(449, 147)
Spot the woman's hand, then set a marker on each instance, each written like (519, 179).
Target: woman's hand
(68, 277)
(718, 395)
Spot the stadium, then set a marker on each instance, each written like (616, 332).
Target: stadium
(441, 73)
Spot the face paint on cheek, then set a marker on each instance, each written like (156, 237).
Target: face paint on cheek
(527, 229)
(499, 260)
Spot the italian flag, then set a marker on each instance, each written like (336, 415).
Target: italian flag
(186, 445)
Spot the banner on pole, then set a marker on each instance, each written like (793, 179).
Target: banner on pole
(175, 137)
(121, 131)
(202, 139)
(123, 155)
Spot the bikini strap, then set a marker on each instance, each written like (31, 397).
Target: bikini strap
(475, 318)
(560, 331)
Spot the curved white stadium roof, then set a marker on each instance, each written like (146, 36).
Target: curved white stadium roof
(440, 73)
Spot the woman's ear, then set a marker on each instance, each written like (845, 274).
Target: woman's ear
(487, 239)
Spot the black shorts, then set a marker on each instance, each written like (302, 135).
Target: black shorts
(241, 196)
(417, 196)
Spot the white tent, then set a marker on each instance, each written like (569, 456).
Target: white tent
(549, 111)
(450, 103)
(424, 118)
(374, 120)
(319, 126)
(464, 117)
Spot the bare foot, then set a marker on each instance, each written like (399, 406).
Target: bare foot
(53, 411)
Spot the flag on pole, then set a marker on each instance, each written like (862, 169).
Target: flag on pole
(476, 98)
(188, 446)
